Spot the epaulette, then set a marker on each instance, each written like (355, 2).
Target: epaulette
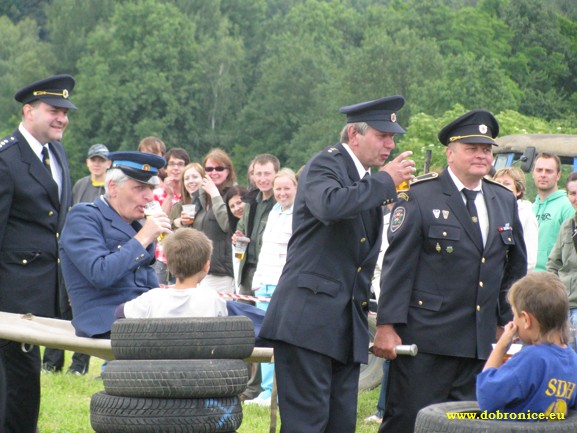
(494, 182)
(7, 142)
(424, 177)
(333, 150)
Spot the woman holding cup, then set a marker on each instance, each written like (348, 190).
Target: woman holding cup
(211, 216)
(182, 213)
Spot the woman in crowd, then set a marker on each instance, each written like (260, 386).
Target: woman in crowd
(191, 182)
(272, 259)
(563, 257)
(235, 205)
(514, 179)
(235, 208)
(212, 218)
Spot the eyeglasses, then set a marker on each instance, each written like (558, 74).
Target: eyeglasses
(176, 164)
(209, 169)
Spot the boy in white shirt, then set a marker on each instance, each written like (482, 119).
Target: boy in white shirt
(188, 255)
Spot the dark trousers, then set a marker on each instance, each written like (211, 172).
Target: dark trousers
(19, 387)
(316, 393)
(417, 382)
(53, 359)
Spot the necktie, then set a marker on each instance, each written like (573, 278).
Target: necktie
(470, 195)
(46, 158)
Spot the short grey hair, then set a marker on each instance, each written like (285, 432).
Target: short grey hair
(115, 175)
(360, 127)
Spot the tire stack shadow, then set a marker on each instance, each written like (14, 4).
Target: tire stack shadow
(174, 376)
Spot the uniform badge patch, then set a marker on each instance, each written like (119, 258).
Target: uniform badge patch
(398, 218)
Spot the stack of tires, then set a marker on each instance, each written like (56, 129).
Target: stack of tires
(174, 376)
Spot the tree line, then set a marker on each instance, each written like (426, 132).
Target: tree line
(256, 76)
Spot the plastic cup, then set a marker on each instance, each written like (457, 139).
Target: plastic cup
(240, 247)
(154, 208)
(189, 210)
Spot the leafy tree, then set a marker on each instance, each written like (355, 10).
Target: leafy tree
(304, 53)
(539, 47)
(18, 10)
(68, 24)
(23, 59)
(140, 76)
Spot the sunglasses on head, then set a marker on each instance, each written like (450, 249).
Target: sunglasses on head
(209, 169)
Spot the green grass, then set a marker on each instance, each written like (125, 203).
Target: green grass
(65, 406)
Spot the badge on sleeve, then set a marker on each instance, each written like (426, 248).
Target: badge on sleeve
(398, 218)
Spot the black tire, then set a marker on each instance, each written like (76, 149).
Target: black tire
(176, 378)
(371, 373)
(433, 419)
(112, 414)
(183, 338)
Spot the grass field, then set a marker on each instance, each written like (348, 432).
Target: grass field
(65, 404)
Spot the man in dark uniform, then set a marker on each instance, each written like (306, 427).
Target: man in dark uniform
(317, 318)
(35, 194)
(446, 274)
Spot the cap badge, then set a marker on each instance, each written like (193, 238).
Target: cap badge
(393, 117)
(146, 167)
(483, 129)
(64, 93)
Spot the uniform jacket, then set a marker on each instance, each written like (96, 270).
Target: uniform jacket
(439, 286)
(103, 265)
(31, 218)
(321, 301)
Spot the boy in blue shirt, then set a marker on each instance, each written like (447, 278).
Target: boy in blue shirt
(542, 376)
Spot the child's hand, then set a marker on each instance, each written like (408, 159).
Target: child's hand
(508, 336)
(496, 358)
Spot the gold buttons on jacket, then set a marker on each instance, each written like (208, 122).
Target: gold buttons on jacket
(363, 240)
(478, 308)
(24, 261)
(481, 284)
(483, 260)
(51, 213)
(420, 302)
(359, 269)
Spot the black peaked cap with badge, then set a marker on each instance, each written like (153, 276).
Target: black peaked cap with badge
(54, 91)
(139, 166)
(474, 127)
(380, 114)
